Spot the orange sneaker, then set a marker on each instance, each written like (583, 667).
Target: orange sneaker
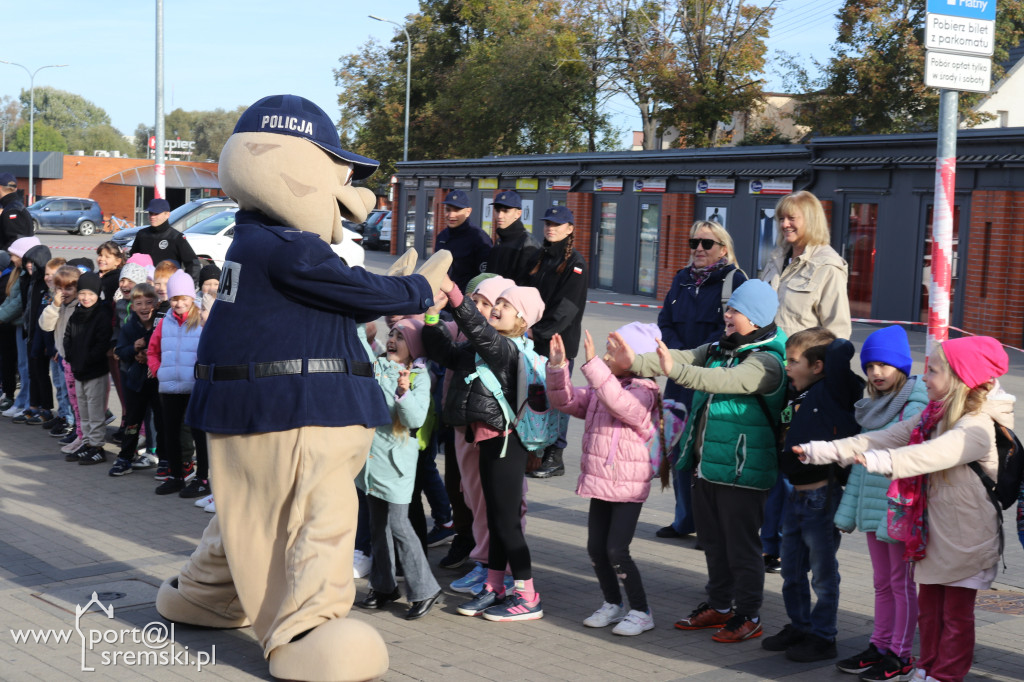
(738, 629)
(704, 617)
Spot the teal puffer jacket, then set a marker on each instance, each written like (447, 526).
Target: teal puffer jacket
(738, 444)
(865, 503)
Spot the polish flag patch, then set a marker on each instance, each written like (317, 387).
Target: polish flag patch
(578, 270)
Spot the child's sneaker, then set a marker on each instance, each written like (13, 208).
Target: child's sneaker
(472, 579)
(739, 629)
(862, 662)
(121, 467)
(515, 607)
(361, 564)
(163, 470)
(144, 461)
(635, 623)
(440, 535)
(52, 422)
(812, 649)
(109, 418)
(24, 416)
(77, 453)
(480, 603)
(890, 669)
(606, 615)
(189, 471)
(6, 403)
(210, 508)
(195, 488)
(772, 564)
(203, 501)
(95, 455)
(12, 411)
(68, 439)
(704, 617)
(170, 485)
(62, 429)
(39, 418)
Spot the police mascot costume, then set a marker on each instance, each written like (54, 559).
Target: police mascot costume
(289, 402)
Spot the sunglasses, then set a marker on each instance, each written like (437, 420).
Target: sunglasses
(706, 243)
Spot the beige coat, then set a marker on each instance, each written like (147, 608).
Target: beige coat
(962, 524)
(812, 290)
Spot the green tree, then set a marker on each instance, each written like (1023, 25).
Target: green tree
(874, 81)
(45, 139)
(208, 129)
(105, 137)
(62, 110)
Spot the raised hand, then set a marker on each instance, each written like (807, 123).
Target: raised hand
(588, 345)
(664, 358)
(447, 284)
(403, 381)
(556, 351)
(622, 355)
(58, 298)
(440, 301)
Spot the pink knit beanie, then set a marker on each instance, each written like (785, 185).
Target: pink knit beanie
(411, 328)
(976, 359)
(527, 302)
(180, 284)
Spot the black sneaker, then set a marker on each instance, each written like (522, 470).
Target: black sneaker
(459, 551)
(69, 437)
(95, 455)
(440, 535)
(52, 422)
(62, 429)
(170, 485)
(782, 641)
(891, 668)
(163, 470)
(772, 564)
(25, 416)
(865, 660)
(109, 419)
(77, 454)
(811, 649)
(121, 467)
(195, 488)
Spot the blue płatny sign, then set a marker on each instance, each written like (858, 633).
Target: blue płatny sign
(969, 9)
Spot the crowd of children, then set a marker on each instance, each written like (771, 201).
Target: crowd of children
(763, 404)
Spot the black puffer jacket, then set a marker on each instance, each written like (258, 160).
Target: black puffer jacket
(16, 221)
(471, 402)
(86, 341)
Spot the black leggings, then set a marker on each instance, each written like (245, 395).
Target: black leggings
(136, 404)
(610, 529)
(501, 479)
(9, 359)
(40, 392)
(175, 405)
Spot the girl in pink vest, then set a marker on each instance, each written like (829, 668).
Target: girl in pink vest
(615, 467)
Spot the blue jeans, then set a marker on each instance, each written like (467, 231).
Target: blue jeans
(771, 529)
(60, 385)
(810, 541)
(21, 400)
(682, 485)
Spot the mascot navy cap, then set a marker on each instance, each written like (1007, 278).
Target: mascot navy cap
(298, 117)
(158, 206)
(457, 198)
(559, 215)
(508, 198)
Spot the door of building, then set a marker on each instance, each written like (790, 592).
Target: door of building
(607, 212)
(955, 295)
(647, 248)
(858, 248)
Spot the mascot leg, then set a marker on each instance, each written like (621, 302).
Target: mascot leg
(287, 509)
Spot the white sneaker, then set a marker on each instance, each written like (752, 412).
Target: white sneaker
(606, 615)
(210, 508)
(634, 623)
(12, 411)
(361, 564)
(72, 446)
(203, 501)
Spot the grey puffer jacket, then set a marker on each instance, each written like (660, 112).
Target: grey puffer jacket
(470, 402)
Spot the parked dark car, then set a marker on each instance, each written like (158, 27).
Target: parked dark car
(77, 216)
(372, 229)
(182, 218)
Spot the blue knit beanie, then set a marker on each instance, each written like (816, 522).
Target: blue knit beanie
(890, 346)
(757, 300)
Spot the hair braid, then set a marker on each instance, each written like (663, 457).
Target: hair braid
(568, 251)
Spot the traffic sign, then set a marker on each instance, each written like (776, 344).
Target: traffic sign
(957, 72)
(984, 10)
(958, 34)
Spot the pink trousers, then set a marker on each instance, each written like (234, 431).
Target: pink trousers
(69, 379)
(895, 598)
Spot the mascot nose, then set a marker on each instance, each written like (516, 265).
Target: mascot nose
(356, 202)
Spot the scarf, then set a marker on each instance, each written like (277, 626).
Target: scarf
(908, 503)
(730, 342)
(875, 413)
(700, 275)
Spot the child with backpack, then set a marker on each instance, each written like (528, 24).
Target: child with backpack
(893, 396)
(948, 521)
(388, 477)
(493, 344)
(620, 410)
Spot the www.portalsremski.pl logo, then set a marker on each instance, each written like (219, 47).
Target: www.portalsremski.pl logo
(150, 645)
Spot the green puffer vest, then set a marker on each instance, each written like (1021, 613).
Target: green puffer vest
(739, 444)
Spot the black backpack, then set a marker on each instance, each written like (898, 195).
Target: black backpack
(1005, 490)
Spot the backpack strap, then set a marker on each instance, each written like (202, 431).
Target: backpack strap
(990, 488)
(491, 383)
(728, 285)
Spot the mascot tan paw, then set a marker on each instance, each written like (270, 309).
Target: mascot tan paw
(405, 265)
(339, 650)
(436, 268)
(174, 607)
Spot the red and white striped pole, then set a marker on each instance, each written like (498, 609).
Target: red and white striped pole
(942, 221)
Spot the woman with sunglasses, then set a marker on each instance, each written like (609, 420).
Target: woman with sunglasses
(691, 317)
(809, 276)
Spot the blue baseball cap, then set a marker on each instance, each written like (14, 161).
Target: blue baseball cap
(158, 206)
(298, 117)
(8, 179)
(457, 198)
(559, 215)
(508, 198)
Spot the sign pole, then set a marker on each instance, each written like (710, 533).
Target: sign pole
(942, 220)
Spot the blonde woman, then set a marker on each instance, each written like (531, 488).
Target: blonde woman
(809, 276)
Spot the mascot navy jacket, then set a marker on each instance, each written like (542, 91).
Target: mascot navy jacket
(288, 305)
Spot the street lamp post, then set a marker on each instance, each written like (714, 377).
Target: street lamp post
(408, 78)
(32, 115)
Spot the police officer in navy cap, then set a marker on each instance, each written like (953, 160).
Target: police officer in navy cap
(162, 242)
(516, 247)
(470, 246)
(15, 222)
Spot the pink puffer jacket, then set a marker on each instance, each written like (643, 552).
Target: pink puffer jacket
(615, 465)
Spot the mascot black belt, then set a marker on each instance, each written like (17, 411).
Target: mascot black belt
(283, 367)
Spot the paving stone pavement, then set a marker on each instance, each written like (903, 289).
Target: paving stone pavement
(68, 530)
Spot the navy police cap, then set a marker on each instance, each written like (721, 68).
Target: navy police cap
(457, 198)
(559, 215)
(508, 198)
(298, 117)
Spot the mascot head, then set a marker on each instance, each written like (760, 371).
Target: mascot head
(284, 159)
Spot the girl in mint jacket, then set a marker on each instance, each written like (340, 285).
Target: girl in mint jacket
(389, 475)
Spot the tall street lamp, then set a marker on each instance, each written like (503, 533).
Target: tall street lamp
(32, 114)
(408, 78)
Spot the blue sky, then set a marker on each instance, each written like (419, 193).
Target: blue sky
(226, 53)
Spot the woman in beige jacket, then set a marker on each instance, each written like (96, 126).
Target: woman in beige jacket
(809, 276)
(962, 551)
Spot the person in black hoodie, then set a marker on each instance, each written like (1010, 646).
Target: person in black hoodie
(86, 341)
(16, 221)
(516, 247)
(162, 242)
(559, 272)
(38, 343)
(470, 246)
